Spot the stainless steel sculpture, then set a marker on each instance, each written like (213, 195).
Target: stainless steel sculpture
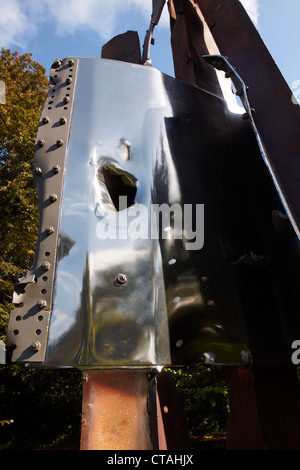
(119, 146)
(169, 231)
(111, 298)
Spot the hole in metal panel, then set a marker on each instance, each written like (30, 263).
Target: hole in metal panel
(119, 183)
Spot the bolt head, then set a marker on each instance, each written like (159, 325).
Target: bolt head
(53, 197)
(63, 121)
(46, 266)
(45, 120)
(59, 143)
(50, 229)
(41, 143)
(42, 303)
(36, 345)
(56, 64)
(56, 169)
(121, 279)
(37, 171)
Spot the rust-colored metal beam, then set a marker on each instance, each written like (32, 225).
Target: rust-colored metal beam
(276, 117)
(114, 411)
(132, 410)
(264, 402)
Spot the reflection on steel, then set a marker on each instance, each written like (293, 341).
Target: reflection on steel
(221, 63)
(125, 124)
(137, 132)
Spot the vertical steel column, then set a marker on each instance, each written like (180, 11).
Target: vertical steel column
(114, 410)
(271, 390)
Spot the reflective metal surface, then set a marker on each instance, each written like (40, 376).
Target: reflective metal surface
(139, 133)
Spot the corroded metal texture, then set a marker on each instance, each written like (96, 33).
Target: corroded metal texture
(114, 412)
(132, 410)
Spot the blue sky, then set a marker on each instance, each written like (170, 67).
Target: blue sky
(51, 29)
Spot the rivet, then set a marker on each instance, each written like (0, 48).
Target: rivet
(36, 345)
(50, 229)
(69, 81)
(63, 121)
(59, 143)
(37, 171)
(41, 143)
(53, 197)
(42, 303)
(121, 279)
(71, 63)
(45, 120)
(46, 266)
(56, 169)
(56, 64)
(66, 100)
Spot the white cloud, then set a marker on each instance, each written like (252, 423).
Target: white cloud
(20, 20)
(252, 8)
(100, 16)
(13, 23)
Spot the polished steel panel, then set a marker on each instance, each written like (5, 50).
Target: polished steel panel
(136, 125)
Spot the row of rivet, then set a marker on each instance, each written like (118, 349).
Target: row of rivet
(53, 197)
(59, 143)
(38, 170)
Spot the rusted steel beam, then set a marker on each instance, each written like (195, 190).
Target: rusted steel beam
(124, 47)
(132, 410)
(243, 429)
(114, 411)
(276, 117)
(190, 40)
(172, 423)
(270, 391)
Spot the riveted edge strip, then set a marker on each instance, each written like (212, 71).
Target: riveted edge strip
(28, 325)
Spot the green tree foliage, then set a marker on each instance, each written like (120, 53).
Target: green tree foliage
(26, 88)
(37, 407)
(204, 394)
